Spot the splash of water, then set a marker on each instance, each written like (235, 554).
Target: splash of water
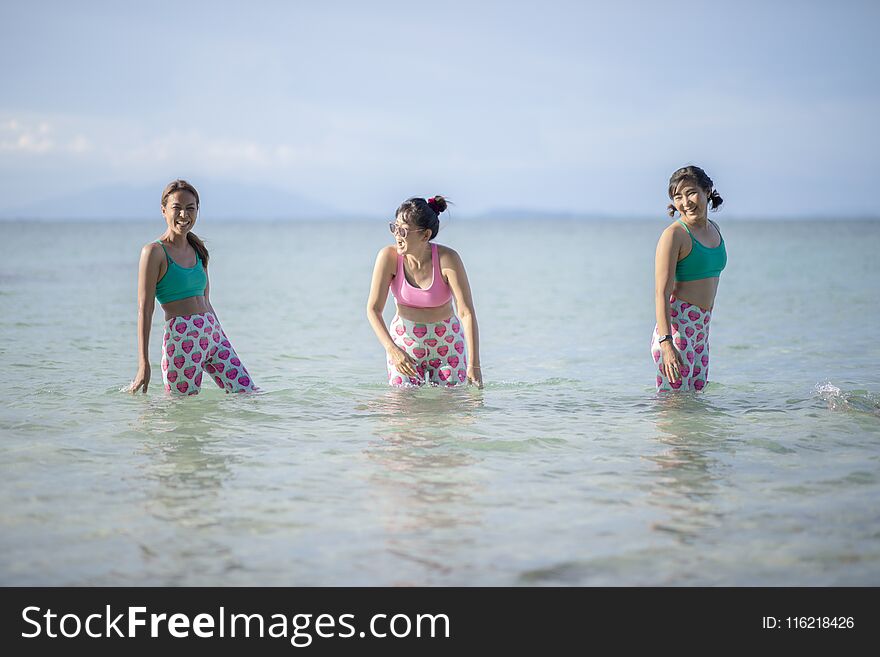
(843, 400)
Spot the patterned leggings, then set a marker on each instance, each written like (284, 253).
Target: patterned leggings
(690, 337)
(438, 349)
(194, 344)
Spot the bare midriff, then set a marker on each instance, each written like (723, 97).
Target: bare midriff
(427, 315)
(188, 306)
(699, 293)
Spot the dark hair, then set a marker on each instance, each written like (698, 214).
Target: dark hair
(423, 213)
(183, 186)
(698, 176)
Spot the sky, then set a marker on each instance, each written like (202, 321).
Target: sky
(579, 107)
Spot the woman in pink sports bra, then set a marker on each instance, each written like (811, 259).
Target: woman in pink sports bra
(426, 342)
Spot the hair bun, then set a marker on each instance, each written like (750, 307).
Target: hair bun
(437, 204)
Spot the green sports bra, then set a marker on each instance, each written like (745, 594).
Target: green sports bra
(181, 282)
(701, 262)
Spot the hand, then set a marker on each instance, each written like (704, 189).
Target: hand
(671, 361)
(402, 361)
(141, 379)
(475, 375)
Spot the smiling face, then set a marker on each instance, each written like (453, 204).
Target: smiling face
(181, 209)
(691, 200)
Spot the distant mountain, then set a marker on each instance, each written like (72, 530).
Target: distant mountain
(219, 200)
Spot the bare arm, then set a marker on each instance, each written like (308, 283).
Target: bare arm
(668, 248)
(664, 277)
(464, 303)
(382, 274)
(148, 276)
(383, 271)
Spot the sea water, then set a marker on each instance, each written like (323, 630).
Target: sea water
(566, 469)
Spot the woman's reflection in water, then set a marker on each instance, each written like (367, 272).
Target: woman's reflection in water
(687, 478)
(424, 482)
(187, 470)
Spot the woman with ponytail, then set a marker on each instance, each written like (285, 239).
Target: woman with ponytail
(427, 342)
(174, 270)
(689, 260)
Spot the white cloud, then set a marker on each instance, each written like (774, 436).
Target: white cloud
(537, 156)
(39, 137)
(16, 137)
(79, 144)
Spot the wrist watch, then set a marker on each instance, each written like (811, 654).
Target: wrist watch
(664, 339)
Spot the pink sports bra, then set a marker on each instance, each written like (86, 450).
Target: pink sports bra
(438, 294)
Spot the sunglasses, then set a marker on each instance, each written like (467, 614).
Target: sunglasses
(397, 229)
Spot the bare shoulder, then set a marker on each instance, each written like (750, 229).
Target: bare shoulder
(449, 257)
(152, 251)
(387, 257)
(674, 232)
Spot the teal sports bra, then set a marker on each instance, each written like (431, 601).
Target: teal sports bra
(181, 282)
(701, 262)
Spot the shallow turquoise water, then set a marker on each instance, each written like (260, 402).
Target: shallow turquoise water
(566, 469)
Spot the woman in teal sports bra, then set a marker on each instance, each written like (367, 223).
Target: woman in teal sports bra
(174, 270)
(690, 257)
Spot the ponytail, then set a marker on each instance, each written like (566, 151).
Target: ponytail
(196, 243)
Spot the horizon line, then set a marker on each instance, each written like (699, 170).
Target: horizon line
(489, 216)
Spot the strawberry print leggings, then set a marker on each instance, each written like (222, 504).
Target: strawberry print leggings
(690, 337)
(196, 344)
(438, 349)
